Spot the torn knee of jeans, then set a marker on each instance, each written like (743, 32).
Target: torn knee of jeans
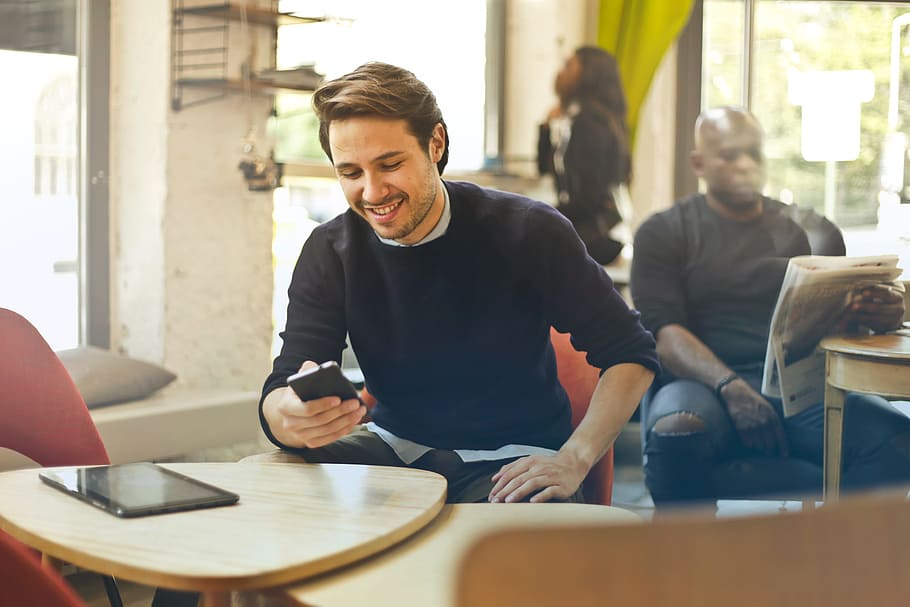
(678, 424)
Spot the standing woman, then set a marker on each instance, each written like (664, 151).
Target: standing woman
(585, 145)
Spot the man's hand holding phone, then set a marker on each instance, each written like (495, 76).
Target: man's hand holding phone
(318, 407)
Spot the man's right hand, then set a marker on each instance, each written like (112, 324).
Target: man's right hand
(757, 423)
(313, 423)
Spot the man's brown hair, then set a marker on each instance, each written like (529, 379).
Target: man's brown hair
(384, 91)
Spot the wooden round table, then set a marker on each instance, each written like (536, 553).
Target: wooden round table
(873, 364)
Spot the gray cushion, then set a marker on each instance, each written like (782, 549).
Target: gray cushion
(105, 378)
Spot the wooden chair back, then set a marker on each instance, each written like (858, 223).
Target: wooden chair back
(847, 553)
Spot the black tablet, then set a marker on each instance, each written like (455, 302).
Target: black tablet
(139, 489)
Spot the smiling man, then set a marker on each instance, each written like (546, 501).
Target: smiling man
(447, 292)
(385, 177)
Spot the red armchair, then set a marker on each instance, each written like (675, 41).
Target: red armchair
(44, 416)
(23, 581)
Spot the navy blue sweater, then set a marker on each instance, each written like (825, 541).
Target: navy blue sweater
(452, 336)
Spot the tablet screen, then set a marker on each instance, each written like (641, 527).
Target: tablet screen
(137, 489)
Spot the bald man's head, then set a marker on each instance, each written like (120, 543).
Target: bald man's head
(728, 157)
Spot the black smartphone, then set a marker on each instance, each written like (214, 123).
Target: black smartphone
(324, 380)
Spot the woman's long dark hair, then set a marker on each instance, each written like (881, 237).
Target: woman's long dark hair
(600, 90)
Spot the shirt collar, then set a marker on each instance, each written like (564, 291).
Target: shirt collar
(441, 226)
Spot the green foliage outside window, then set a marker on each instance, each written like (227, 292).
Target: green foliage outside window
(296, 128)
(808, 36)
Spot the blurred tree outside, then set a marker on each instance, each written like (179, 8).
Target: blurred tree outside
(295, 130)
(798, 36)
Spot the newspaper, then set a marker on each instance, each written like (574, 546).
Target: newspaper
(811, 304)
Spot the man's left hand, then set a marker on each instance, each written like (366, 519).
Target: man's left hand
(878, 307)
(543, 477)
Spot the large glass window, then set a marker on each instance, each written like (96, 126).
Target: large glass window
(39, 208)
(830, 83)
(401, 32)
(722, 55)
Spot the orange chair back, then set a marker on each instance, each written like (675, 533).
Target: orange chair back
(579, 379)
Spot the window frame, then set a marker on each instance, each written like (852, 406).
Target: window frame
(94, 195)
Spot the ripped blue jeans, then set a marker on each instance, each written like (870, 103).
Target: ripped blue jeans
(695, 454)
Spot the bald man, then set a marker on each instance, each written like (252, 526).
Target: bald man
(706, 275)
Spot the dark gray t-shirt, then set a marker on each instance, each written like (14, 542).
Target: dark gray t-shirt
(717, 277)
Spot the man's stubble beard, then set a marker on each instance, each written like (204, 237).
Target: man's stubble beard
(422, 210)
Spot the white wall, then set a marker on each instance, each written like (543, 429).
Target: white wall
(655, 145)
(191, 251)
(140, 43)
